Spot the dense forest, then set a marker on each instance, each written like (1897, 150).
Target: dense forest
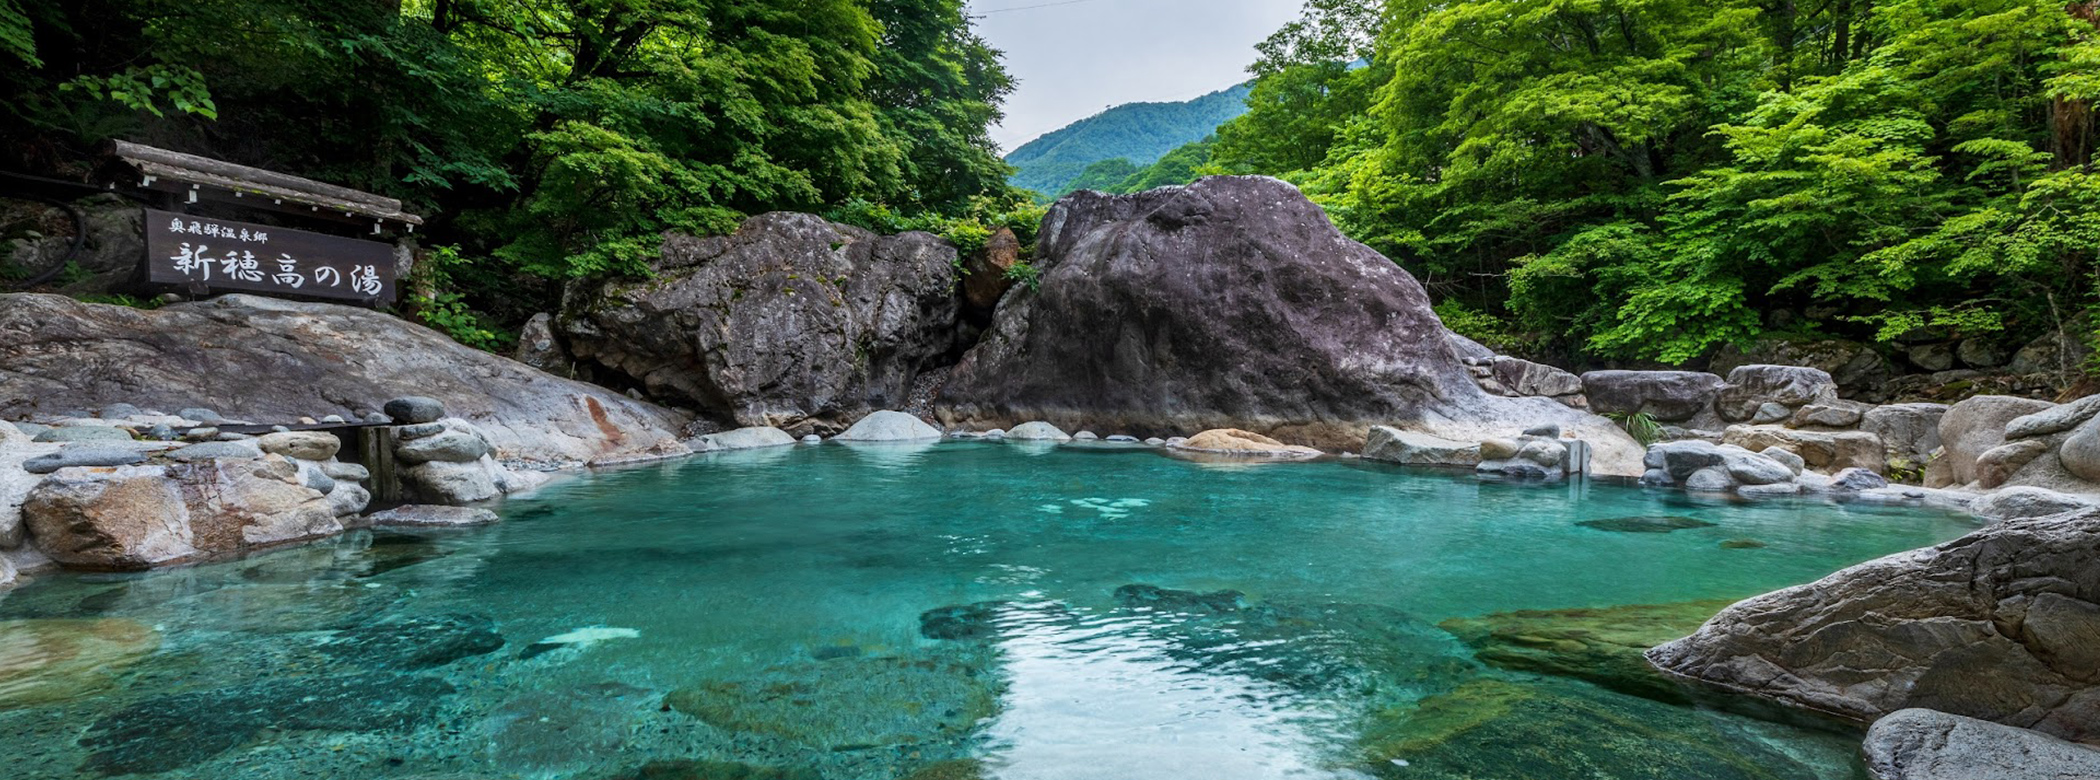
(1123, 138)
(1585, 180)
(1611, 180)
(550, 139)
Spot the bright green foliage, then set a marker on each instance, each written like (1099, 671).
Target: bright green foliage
(1138, 132)
(1106, 175)
(550, 138)
(1651, 178)
(1185, 164)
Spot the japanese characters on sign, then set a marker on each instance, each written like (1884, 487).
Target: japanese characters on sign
(217, 254)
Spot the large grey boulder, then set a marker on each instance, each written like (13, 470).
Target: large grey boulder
(792, 322)
(1230, 303)
(1922, 744)
(1972, 427)
(2001, 624)
(16, 482)
(1038, 431)
(1524, 377)
(83, 454)
(1820, 450)
(1751, 387)
(1861, 373)
(889, 426)
(748, 438)
(1910, 431)
(273, 360)
(138, 517)
(1668, 396)
(2018, 502)
(1393, 445)
(2055, 419)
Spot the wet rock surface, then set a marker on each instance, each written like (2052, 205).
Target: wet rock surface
(1601, 645)
(2000, 624)
(47, 661)
(1492, 728)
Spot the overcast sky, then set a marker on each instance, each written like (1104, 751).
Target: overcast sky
(1074, 58)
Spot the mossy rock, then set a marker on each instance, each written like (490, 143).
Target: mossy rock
(1601, 645)
(1494, 729)
(46, 661)
(957, 769)
(851, 703)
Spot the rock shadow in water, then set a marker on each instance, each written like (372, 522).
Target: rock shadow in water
(1645, 524)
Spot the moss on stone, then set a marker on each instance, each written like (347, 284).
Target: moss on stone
(1600, 645)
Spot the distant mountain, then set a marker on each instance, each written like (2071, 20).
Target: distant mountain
(1138, 132)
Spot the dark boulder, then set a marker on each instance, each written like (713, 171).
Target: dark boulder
(1668, 396)
(1230, 303)
(792, 322)
(985, 277)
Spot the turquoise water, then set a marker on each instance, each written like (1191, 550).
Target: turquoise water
(950, 611)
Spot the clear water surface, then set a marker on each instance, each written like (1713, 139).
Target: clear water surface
(961, 610)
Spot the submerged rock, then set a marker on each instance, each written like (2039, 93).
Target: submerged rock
(566, 730)
(965, 622)
(2000, 624)
(851, 703)
(1645, 524)
(48, 661)
(1140, 596)
(1602, 645)
(694, 769)
(431, 515)
(1492, 728)
(1920, 744)
(411, 643)
(164, 733)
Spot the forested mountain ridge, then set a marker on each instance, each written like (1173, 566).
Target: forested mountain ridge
(1139, 133)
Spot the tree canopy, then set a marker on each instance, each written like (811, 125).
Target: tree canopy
(1655, 179)
(551, 138)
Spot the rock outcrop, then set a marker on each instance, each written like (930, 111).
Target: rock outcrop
(2002, 624)
(1232, 302)
(138, 517)
(277, 361)
(1921, 744)
(792, 322)
(1667, 396)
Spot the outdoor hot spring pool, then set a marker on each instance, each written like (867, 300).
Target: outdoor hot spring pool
(940, 612)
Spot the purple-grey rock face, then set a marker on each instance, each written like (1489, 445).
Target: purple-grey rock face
(1232, 302)
(274, 361)
(792, 322)
(2002, 625)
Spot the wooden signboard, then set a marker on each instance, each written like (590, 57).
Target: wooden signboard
(215, 254)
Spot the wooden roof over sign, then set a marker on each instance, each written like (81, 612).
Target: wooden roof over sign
(165, 170)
